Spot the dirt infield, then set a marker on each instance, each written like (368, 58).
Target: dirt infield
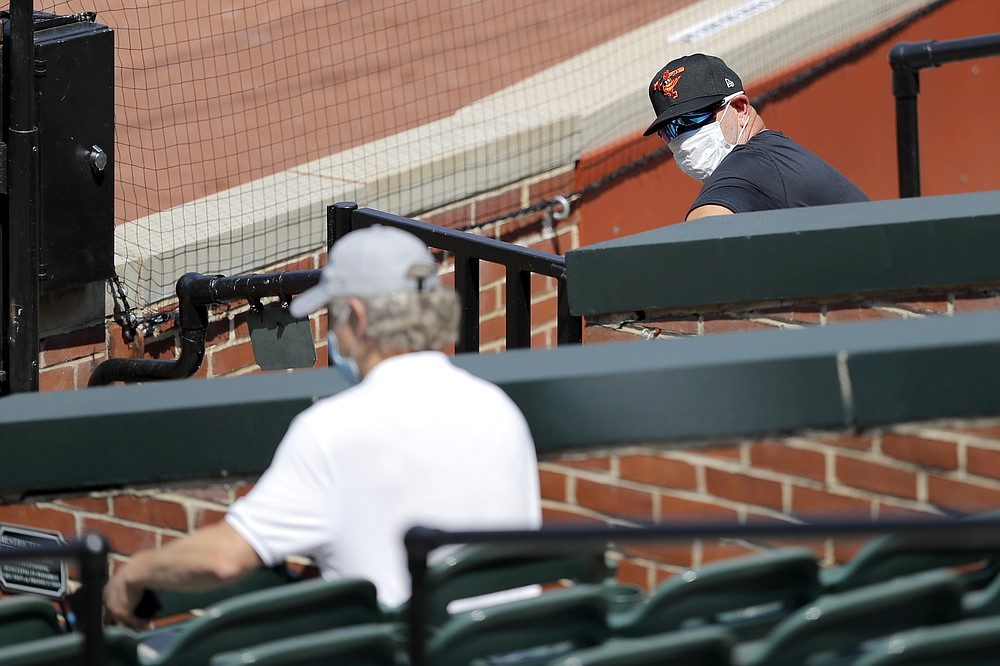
(211, 95)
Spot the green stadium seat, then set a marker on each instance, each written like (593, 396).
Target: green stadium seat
(261, 616)
(68, 650)
(26, 618)
(837, 624)
(526, 632)
(479, 569)
(890, 555)
(747, 594)
(174, 602)
(362, 645)
(703, 646)
(984, 602)
(969, 643)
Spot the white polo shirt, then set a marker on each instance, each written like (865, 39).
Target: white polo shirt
(417, 442)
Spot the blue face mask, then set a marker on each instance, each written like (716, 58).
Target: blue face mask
(347, 367)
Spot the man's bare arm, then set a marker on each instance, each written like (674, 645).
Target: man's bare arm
(207, 558)
(708, 210)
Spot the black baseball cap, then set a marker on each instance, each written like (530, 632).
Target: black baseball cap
(687, 84)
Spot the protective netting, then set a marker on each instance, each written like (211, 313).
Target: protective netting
(238, 122)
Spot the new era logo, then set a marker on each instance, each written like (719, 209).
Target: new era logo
(730, 84)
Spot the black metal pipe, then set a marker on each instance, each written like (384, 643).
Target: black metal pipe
(467, 286)
(93, 557)
(417, 552)
(462, 242)
(424, 540)
(518, 309)
(906, 60)
(932, 53)
(22, 205)
(192, 352)
(194, 293)
(339, 221)
(207, 289)
(569, 329)
(905, 86)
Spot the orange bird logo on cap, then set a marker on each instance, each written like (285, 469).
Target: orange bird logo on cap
(668, 82)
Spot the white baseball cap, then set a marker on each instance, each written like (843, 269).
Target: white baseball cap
(367, 262)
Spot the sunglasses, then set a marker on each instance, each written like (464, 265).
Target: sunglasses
(686, 123)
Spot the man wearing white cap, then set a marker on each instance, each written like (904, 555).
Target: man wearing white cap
(417, 441)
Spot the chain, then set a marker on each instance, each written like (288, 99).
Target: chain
(124, 313)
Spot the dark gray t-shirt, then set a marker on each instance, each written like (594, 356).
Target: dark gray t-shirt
(771, 171)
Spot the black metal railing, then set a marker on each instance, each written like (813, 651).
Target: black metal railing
(195, 292)
(91, 553)
(468, 250)
(906, 60)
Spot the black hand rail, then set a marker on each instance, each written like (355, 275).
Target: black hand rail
(906, 60)
(469, 250)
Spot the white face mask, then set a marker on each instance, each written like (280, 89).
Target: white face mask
(347, 367)
(699, 152)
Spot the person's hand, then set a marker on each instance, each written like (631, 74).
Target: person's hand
(121, 599)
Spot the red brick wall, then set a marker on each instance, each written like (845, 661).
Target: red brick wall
(799, 315)
(913, 470)
(131, 520)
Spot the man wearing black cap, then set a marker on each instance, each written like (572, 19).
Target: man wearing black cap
(718, 138)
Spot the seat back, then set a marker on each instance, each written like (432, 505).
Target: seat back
(362, 645)
(479, 569)
(68, 650)
(970, 643)
(984, 602)
(839, 623)
(747, 594)
(269, 614)
(537, 629)
(703, 646)
(890, 555)
(27, 618)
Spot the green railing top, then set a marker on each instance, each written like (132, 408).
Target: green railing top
(813, 254)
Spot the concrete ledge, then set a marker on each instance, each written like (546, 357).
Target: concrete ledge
(822, 253)
(236, 231)
(690, 392)
(107, 437)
